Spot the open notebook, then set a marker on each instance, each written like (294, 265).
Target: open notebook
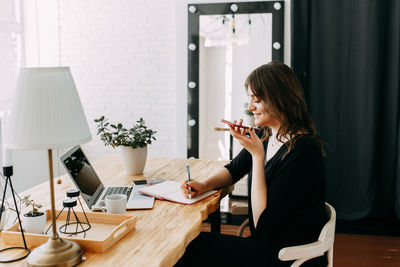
(170, 190)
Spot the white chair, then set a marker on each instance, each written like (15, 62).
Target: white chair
(303, 253)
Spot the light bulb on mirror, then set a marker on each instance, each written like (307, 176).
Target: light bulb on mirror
(192, 47)
(277, 6)
(192, 9)
(192, 85)
(277, 45)
(234, 7)
(192, 123)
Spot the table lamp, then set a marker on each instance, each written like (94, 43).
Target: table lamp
(47, 114)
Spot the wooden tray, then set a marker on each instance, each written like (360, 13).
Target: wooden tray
(105, 231)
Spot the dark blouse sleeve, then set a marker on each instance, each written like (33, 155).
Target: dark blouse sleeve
(298, 184)
(240, 165)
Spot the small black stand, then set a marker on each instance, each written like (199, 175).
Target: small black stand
(8, 172)
(70, 203)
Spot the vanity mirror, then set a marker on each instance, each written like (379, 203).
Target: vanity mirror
(226, 41)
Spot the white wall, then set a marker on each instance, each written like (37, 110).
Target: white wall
(122, 57)
(40, 21)
(29, 166)
(10, 32)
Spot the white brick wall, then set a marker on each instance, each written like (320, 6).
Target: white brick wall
(122, 56)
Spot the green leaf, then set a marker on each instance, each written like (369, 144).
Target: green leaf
(139, 135)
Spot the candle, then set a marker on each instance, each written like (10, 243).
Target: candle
(7, 162)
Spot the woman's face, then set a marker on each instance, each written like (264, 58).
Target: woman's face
(259, 108)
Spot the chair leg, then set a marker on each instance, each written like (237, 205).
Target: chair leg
(242, 227)
(330, 257)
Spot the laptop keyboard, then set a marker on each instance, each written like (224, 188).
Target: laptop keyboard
(116, 190)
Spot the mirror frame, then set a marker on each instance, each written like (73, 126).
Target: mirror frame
(193, 55)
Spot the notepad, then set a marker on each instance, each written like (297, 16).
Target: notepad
(171, 191)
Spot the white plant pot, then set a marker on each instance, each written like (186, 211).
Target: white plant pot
(133, 159)
(34, 224)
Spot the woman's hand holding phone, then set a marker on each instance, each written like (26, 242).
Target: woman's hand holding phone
(239, 125)
(251, 143)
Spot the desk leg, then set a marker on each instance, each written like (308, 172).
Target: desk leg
(215, 219)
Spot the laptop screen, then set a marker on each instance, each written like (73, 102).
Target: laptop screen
(82, 173)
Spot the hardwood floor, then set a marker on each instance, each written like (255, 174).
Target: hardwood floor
(365, 250)
(351, 250)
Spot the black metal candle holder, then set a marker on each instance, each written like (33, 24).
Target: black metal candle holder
(79, 226)
(8, 172)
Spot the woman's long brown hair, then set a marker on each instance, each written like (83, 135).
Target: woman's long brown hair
(277, 85)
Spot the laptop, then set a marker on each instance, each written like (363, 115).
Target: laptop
(92, 189)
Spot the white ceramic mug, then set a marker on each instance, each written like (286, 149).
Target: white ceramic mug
(116, 204)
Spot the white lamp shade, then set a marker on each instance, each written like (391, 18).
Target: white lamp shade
(47, 112)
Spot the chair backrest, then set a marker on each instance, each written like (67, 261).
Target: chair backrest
(327, 235)
(328, 231)
(303, 253)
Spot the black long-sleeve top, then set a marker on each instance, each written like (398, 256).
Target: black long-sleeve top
(295, 212)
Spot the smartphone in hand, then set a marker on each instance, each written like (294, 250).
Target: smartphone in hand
(240, 126)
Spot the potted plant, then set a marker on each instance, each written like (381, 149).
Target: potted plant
(132, 143)
(249, 115)
(33, 221)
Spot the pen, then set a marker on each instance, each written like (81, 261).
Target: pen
(188, 179)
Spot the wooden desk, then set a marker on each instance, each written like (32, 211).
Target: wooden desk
(163, 232)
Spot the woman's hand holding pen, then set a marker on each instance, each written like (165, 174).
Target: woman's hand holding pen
(197, 188)
(251, 143)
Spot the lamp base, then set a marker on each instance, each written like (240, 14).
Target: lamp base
(56, 252)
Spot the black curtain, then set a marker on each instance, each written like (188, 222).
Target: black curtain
(346, 55)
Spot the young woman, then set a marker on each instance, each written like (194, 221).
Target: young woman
(285, 173)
